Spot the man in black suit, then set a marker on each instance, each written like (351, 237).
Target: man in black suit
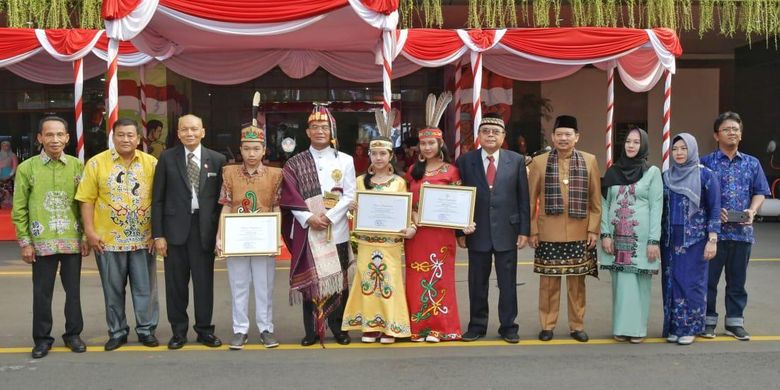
(184, 228)
(502, 221)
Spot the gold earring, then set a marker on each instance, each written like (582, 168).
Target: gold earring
(421, 158)
(370, 170)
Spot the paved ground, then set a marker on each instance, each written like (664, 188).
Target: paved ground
(723, 363)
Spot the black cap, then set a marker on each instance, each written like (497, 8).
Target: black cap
(566, 121)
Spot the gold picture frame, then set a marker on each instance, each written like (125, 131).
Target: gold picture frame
(441, 204)
(245, 243)
(383, 214)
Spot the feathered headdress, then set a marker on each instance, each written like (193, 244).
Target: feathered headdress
(434, 109)
(384, 123)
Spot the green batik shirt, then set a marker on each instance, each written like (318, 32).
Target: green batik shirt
(45, 213)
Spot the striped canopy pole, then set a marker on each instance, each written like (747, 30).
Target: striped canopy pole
(78, 89)
(387, 70)
(142, 102)
(667, 118)
(476, 93)
(458, 89)
(113, 87)
(610, 111)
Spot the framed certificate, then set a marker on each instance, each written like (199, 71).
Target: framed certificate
(382, 212)
(251, 234)
(446, 206)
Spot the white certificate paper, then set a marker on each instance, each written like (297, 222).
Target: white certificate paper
(382, 212)
(446, 206)
(254, 234)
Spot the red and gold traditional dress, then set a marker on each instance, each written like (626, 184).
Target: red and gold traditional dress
(430, 269)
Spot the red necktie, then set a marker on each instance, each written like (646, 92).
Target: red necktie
(491, 171)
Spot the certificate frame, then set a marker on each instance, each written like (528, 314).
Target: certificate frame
(272, 221)
(435, 191)
(362, 226)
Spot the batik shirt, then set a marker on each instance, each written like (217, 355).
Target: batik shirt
(122, 195)
(741, 178)
(247, 192)
(45, 214)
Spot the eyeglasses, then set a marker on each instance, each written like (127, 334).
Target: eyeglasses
(730, 130)
(491, 131)
(323, 128)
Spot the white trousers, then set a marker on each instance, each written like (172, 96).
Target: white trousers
(243, 273)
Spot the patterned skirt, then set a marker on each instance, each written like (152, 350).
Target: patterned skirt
(565, 258)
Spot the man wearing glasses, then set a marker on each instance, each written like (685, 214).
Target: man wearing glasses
(318, 186)
(743, 188)
(502, 219)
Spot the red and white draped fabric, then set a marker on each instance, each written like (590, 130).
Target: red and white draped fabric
(535, 54)
(216, 41)
(44, 56)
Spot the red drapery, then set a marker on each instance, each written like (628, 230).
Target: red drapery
(432, 44)
(69, 41)
(583, 43)
(124, 47)
(17, 41)
(265, 11)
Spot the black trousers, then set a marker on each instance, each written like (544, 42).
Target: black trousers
(480, 267)
(183, 262)
(44, 273)
(336, 316)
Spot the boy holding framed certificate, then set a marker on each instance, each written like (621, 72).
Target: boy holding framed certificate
(250, 188)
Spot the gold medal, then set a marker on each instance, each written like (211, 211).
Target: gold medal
(336, 175)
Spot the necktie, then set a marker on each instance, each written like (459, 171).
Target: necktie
(491, 171)
(193, 171)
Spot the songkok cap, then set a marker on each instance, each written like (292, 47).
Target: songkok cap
(252, 134)
(492, 118)
(566, 121)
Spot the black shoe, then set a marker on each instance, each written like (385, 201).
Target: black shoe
(579, 335)
(177, 342)
(209, 340)
(343, 338)
(76, 344)
(41, 350)
(309, 340)
(546, 335)
(511, 338)
(738, 333)
(114, 343)
(471, 336)
(148, 340)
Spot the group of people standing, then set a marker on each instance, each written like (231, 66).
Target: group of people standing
(129, 207)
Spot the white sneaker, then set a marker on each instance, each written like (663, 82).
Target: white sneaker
(385, 339)
(432, 339)
(672, 338)
(686, 340)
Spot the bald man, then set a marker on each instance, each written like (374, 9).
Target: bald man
(185, 212)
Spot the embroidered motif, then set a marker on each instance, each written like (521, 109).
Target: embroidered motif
(36, 228)
(58, 204)
(625, 237)
(431, 299)
(375, 281)
(249, 204)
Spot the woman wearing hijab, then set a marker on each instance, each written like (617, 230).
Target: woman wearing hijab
(630, 235)
(691, 223)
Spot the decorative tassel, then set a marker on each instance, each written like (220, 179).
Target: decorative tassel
(90, 14)
(58, 14)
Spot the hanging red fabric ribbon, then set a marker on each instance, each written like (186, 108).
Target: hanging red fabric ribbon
(17, 41)
(69, 41)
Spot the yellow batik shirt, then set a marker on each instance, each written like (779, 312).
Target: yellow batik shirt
(122, 195)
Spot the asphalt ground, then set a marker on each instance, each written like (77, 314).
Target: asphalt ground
(486, 364)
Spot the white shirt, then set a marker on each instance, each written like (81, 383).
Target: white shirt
(326, 162)
(194, 205)
(485, 161)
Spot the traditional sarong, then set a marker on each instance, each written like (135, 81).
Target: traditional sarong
(565, 258)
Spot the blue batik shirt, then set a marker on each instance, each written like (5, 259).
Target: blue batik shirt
(741, 178)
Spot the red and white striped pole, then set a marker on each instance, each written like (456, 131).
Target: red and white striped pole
(387, 70)
(113, 87)
(78, 89)
(476, 93)
(458, 89)
(610, 111)
(142, 102)
(667, 118)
